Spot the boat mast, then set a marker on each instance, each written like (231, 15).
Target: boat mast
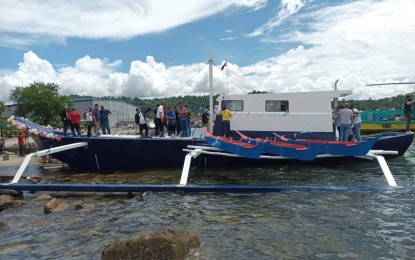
(335, 105)
(211, 115)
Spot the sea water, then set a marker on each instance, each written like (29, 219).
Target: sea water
(291, 224)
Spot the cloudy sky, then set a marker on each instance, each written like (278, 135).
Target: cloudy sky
(159, 48)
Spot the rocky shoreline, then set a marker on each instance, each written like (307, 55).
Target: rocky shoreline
(10, 156)
(159, 244)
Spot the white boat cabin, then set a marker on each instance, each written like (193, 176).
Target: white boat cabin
(298, 112)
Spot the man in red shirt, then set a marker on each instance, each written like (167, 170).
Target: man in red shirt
(20, 142)
(75, 118)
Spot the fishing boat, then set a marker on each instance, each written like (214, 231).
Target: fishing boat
(243, 149)
(375, 121)
(292, 151)
(298, 115)
(369, 127)
(345, 148)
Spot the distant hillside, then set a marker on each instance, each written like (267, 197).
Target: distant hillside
(196, 103)
(382, 104)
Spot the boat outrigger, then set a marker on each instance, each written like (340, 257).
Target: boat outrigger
(247, 150)
(293, 151)
(335, 147)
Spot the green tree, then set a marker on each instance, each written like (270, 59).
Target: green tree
(2, 122)
(2, 107)
(40, 102)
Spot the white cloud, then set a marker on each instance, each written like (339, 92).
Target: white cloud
(357, 42)
(287, 8)
(99, 77)
(24, 23)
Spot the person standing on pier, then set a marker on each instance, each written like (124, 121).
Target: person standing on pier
(20, 142)
(407, 109)
(65, 118)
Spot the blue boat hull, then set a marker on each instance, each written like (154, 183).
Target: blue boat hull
(303, 155)
(152, 153)
(394, 141)
(274, 148)
(121, 154)
(249, 152)
(357, 149)
(146, 153)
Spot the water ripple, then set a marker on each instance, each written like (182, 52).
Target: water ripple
(291, 224)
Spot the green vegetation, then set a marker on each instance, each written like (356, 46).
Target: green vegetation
(2, 107)
(381, 104)
(194, 103)
(40, 102)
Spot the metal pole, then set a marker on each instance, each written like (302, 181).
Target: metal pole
(227, 92)
(335, 100)
(335, 105)
(211, 115)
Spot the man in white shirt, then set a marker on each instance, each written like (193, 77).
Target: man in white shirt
(357, 124)
(159, 119)
(141, 121)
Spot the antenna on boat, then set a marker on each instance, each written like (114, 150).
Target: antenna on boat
(211, 115)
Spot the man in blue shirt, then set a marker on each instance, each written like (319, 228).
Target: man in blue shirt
(105, 122)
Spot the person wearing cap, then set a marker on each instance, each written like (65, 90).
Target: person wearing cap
(407, 109)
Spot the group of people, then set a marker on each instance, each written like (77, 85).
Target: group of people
(175, 120)
(96, 118)
(348, 122)
(226, 115)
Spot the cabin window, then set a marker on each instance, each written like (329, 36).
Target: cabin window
(276, 105)
(233, 105)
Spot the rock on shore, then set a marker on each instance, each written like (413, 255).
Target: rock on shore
(7, 201)
(163, 244)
